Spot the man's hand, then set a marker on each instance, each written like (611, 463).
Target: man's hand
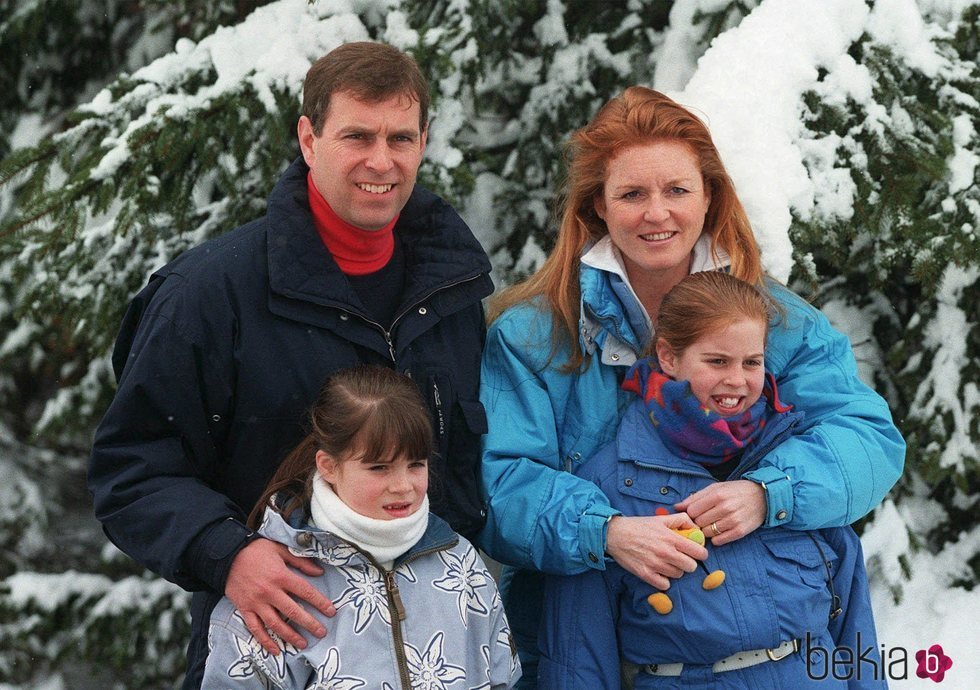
(646, 547)
(735, 508)
(263, 587)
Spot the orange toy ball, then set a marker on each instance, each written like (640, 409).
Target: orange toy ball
(661, 603)
(692, 533)
(713, 579)
(661, 511)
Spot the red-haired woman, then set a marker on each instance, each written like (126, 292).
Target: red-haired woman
(647, 201)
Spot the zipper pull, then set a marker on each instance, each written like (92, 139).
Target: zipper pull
(396, 597)
(437, 399)
(391, 346)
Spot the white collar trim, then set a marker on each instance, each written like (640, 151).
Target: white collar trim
(606, 256)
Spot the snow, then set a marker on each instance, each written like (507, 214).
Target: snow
(773, 56)
(748, 86)
(48, 592)
(899, 24)
(931, 611)
(963, 163)
(550, 29)
(938, 393)
(271, 49)
(677, 58)
(854, 322)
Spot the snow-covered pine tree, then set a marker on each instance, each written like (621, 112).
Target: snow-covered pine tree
(903, 120)
(53, 614)
(186, 148)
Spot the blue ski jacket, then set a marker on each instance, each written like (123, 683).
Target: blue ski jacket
(780, 586)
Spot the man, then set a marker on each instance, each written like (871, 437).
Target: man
(220, 355)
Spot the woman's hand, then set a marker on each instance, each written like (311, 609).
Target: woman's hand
(735, 508)
(262, 585)
(646, 547)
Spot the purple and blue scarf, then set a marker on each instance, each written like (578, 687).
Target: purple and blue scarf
(689, 429)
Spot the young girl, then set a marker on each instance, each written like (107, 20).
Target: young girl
(707, 411)
(416, 607)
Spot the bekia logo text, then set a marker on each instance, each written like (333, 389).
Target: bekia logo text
(845, 663)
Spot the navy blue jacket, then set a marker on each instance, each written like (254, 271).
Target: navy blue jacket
(220, 356)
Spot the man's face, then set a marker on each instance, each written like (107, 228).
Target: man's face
(366, 158)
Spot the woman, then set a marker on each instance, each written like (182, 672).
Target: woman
(647, 202)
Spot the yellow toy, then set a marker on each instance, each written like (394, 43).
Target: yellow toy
(660, 602)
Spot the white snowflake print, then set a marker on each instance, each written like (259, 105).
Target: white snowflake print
(248, 665)
(328, 675)
(464, 579)
(366, 594)
(338, 554)
(429, 669)
(283, 645)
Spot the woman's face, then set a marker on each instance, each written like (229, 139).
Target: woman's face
(725, 367)
(654, 202)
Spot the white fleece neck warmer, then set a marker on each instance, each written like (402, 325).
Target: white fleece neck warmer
(385, 540)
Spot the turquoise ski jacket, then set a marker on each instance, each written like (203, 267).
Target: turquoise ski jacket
(544, 423)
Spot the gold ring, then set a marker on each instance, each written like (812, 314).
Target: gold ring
(714, 528)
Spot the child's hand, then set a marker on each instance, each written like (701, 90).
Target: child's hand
(650, 549)
(726, 511)
(262, 585)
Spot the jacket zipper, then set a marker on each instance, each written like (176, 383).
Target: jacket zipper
(396, 608)
(387, 333)
(671, 470)
(397, 611)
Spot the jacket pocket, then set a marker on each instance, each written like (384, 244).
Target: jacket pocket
(811, 560)
(456, 493)
(655, 485)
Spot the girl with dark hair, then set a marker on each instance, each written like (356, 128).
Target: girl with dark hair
(705, 411)
(414, 601)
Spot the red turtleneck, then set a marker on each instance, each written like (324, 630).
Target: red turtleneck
(356, 251)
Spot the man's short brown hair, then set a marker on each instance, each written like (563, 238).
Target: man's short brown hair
(371, 72)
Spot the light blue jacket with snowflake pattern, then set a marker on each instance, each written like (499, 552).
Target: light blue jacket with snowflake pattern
(434, 621)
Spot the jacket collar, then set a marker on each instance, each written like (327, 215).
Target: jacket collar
(305, 540)
(612, 317)
(439, 248)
